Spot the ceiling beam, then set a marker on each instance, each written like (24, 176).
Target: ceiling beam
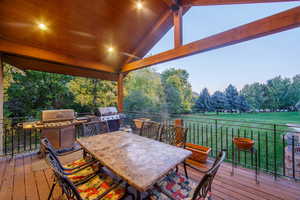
(26, 63)
(273, 24)
(227, 2)
(37, 53)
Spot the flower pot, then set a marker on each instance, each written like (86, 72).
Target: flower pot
(199, 153)
(243, 143)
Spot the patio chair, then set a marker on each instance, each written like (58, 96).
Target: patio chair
(78, 169)
(173, 135)
(150, 129)
(175, 186)
(97, 186)
(95, 128)
(176, 136)
(46, 143)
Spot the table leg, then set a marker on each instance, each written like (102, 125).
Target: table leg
(138, 195)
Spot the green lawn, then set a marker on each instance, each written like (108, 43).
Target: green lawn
(275, 117)
(266, 129)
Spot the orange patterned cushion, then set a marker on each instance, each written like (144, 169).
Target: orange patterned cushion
(177, 186)
(76, 163)
(80, 175)
(97, 186)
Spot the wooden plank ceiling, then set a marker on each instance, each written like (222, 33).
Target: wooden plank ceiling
(79, 32)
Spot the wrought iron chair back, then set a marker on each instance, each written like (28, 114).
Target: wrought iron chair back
(204, 187)
(150, 129)
(67, 186)
(48, 146)
(173, 135)
(52, 152)
(95, 128)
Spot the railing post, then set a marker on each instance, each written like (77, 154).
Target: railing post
(275, 160)
(216, 131)
(293, 157)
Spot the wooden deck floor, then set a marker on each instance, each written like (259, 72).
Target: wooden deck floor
(18, 181)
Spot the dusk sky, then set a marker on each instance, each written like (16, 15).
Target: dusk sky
(252, 61)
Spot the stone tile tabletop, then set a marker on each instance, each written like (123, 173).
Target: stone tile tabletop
(138, 160)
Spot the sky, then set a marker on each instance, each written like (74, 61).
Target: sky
(253, 61)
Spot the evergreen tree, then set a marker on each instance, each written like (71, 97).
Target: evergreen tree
(232, 96)
(203, 102)
(219, 101)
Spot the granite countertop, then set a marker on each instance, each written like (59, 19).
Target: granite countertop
(138, 160)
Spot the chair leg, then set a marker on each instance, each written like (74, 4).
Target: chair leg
(138, 195)
(51, 191)
(185, 171)
(127, 193)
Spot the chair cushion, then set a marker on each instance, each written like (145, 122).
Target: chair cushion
(175, 185)
(76, 163)
(96, 186)
(82, 174)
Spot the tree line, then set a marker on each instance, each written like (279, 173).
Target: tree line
(229, 100)
(276, 94)
(28, 92)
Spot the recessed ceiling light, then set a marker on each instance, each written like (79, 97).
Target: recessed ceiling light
(139, 5)
(42, 26)
(110, 49)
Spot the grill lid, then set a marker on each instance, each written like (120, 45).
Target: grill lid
(106, 111)
(57, 115)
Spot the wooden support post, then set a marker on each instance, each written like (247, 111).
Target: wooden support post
(177, 19)
(120, 92)
(1, 104)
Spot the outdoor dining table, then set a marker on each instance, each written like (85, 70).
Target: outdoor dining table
(139, 161)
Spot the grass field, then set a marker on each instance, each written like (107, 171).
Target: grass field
(274, 118)
(266, 129)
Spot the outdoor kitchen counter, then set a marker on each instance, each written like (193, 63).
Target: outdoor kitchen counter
(138, 160)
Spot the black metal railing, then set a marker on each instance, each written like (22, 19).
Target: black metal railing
(17, 139)
(278, 153)
(275, 155)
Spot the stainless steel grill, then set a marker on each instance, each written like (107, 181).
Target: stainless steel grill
(59, 127)
(110, 116)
